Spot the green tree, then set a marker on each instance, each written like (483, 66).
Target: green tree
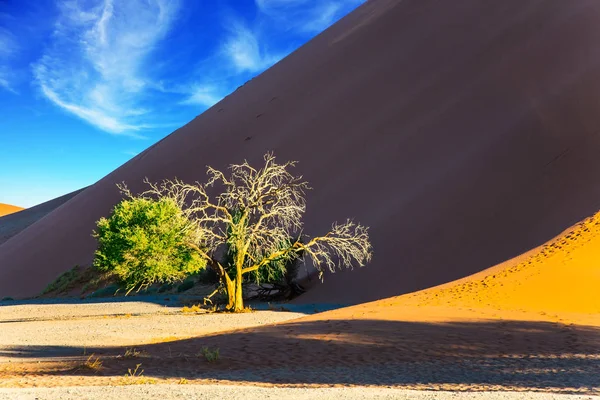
(254, 214)
(145, 241)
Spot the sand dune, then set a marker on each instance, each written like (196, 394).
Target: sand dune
(463, 133)
(12, 224)
(556, 282)
(6, 209)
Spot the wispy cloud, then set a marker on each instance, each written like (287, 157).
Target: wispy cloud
(203, 95)
(94, 67)
(8, 49)
(244, 50)
(109, 62)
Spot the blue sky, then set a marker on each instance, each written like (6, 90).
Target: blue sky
(87, 84)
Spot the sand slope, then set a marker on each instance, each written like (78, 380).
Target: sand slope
(12, 224)
(6, 209)
(556, 282)
(464, 134)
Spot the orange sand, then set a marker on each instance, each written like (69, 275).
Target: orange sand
(6, 209)
(556, 282)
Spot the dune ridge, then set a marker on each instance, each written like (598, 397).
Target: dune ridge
(556, 282)
(6, 209)
(12, 224)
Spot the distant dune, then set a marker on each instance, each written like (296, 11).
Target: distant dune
(6, 209)
(12, 224)
(463, 133)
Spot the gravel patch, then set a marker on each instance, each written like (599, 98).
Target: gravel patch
(223, 392)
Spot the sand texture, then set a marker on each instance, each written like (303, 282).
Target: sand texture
(463, 133)
(223, 392)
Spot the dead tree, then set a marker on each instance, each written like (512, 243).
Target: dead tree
(255, 211)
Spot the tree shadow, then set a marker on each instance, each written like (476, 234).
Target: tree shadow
(517, 354)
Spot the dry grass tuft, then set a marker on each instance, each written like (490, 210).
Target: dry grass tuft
(92, 364)
(132, 353)
(136, 377)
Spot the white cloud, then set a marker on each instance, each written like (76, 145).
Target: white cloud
(8, 49)
(206, 96)
(244, 51)
(8, 43)
(95, 66)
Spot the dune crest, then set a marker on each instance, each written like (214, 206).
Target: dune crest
(6, 209)
(555, 282)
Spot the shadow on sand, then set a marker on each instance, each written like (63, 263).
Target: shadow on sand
(518, 354)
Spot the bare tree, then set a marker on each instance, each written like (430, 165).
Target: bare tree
(256, 211)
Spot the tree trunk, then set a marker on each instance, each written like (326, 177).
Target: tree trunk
(230, 287)
(235, 299)
(238, 306)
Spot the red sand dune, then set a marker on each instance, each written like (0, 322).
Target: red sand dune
(6, 209)
(12, 224)
(464, 133)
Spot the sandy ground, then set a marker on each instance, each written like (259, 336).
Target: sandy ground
(47, 345)
(54, 330)
(497, 330)
(224, 392)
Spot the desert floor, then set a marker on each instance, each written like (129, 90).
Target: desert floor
(531, 324)
(46, 346)
(225, 392)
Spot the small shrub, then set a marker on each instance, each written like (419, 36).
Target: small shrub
(134, 353)
(210, 355)
(136, 377)
(144, 241)
(92, 363)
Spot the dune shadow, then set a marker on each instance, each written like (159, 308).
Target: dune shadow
(532, 355)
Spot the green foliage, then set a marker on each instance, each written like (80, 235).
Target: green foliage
(144, 242)
(211, 355)
(281, 270)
